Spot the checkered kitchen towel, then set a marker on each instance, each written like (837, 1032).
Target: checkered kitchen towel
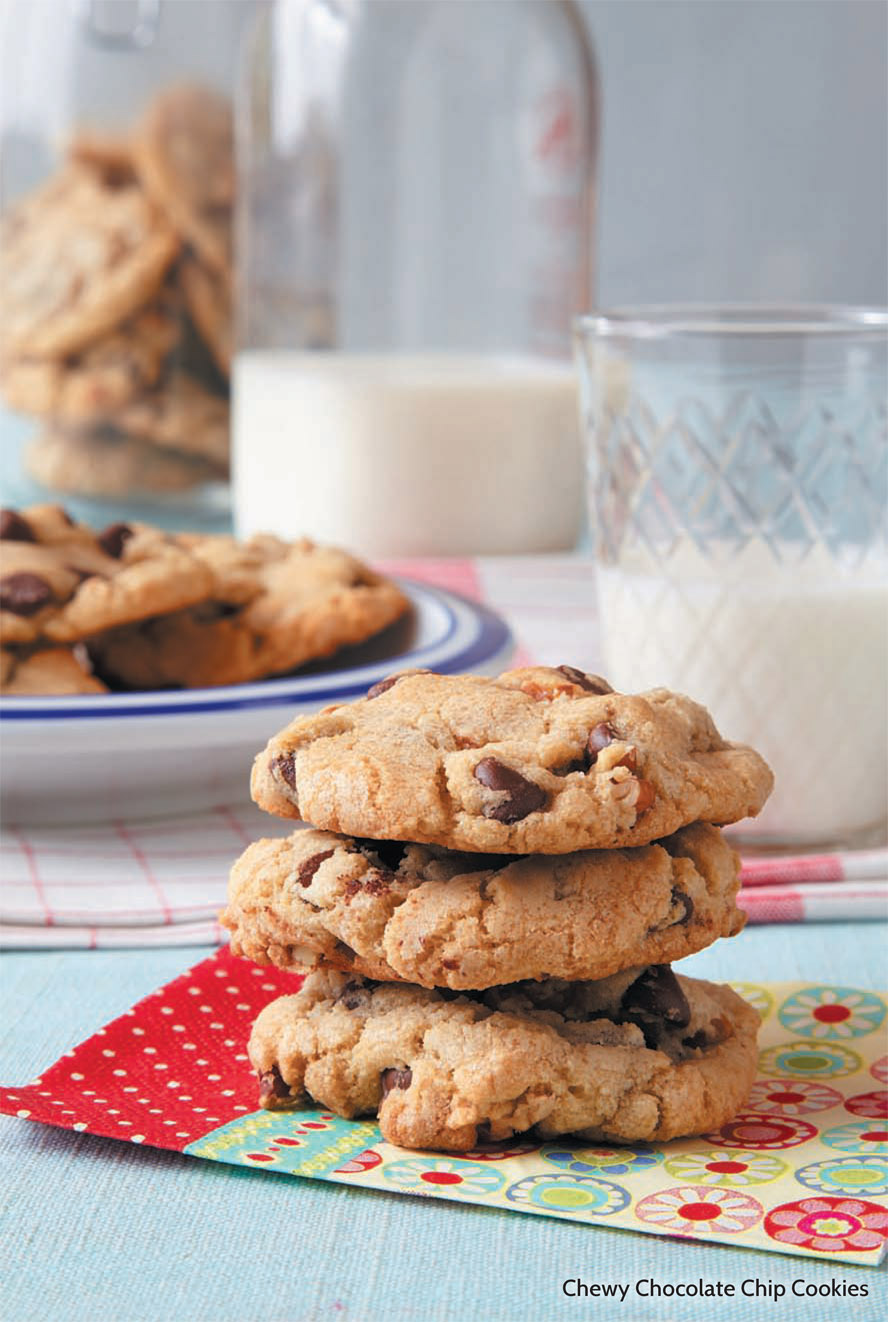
(162, 882)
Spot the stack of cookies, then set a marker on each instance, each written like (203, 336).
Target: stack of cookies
(498, 876)
(116, 278)
(133, 607)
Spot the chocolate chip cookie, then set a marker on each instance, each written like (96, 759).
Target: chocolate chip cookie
(45, 671)
(643, 1056)
(414, 913)
(93, 384)
(61, 581)
(274, 606)
(537, 761)
(104, 463)
(184, 156)
(181, 415)
(208, 299)
(77, 258)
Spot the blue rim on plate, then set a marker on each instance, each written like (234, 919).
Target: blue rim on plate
(464, 636)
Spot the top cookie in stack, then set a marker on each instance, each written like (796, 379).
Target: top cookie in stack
(464, 992)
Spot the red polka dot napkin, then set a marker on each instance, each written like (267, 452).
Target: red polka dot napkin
(803, 1169)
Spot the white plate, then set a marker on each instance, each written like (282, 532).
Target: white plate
(98, 757)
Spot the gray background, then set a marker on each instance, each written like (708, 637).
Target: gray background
(744, 149)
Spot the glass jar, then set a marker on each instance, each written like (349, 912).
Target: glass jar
(415, 218)
(116, 188)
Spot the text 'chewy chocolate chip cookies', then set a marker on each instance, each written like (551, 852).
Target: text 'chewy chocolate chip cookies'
(536, 761)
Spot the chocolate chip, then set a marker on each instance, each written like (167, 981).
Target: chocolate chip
(113, 539)
(13, 528)
(389, 852)
(646, 796)
(568, 768)
(656, 1001)
(352, 995)
(599, 737)
(24, 594)
(346, 950)
(285, 768)
(591, 683)
(696, 1041)
(272, 1086)
(310, 867)
(395, 1078)
(524, 795)
(382, 686)
(681, 897)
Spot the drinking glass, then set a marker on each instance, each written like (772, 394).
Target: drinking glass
(737, 485)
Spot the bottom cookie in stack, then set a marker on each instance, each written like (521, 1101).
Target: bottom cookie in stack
(547, 1001)
(640, 1056)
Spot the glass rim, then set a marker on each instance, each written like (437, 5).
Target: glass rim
(662, 320)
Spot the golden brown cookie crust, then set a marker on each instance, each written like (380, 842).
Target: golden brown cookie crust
(442, 919)
(46, 672)
(105, 463)
(538, 760)
(444, 1073)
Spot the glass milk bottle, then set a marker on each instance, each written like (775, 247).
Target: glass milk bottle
(415, 231)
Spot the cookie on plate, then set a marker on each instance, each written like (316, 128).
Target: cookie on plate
(46, 671)
(643, 1056)
(536, 761)
(90, 386)
(106, 464)
(275, 605)
(61, 581)
(77, 258)
(184, 156)
(416, 913)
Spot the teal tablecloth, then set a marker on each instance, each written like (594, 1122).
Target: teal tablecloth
(94, 1229)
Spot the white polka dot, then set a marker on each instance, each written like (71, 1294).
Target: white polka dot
(181, 1133)
(112, 1110)
(240, 1108)
(178, 1028)
(169, 1122)
(232, 991)
(186, 1098)
(161, 1066)
(128, 1123)
(166, 1009)
(205, 1009)
(139, 1032)
(150, 1051)
(241, 1005)
(23, 1115)
(137, 1138)
(257, 973)
(79, 1126)
(220, 973)
(214, 1078)
(199, 1110)
(120, 1074)
(76, 1076)
(188, 1046)
(45, 1094)
(88, 1092)
(54, 1103)
(143, 1101)
(194, 991)
(215, 1024)
(212, 1118)
(240, 1056)
(100, 1032)
(268, 986)
(155, 1110)
(106, 1051)
(227, 1092)
(229, 1042)
(131, 1088)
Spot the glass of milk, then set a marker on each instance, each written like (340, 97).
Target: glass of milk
(738, 471)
